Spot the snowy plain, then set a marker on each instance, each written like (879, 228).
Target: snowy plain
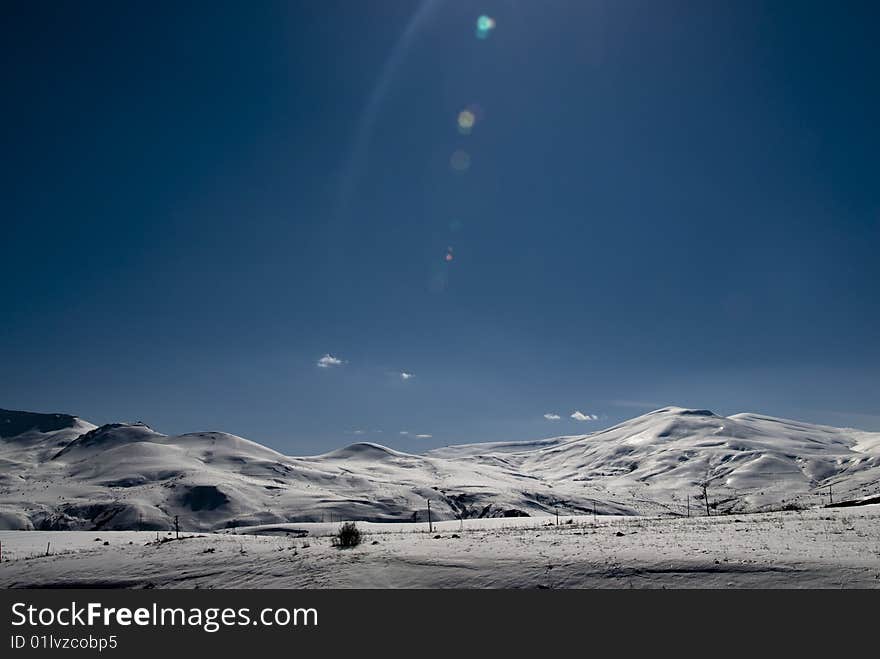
(822, 548)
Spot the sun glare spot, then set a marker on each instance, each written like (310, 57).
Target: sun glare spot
(460, 161)
(466, 121)
(485, 25)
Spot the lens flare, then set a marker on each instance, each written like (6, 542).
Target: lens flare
(460, 161)
(485, 25)
(448, 256)
(466, 121)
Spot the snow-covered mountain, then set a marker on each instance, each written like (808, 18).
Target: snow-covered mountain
(60, 472)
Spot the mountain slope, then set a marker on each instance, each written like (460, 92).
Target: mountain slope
(59, 472)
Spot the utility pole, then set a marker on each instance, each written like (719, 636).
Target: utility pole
(557, 516)
(430, 524)
(177, 526)
(594, 511)
(689, 504)
(830, 495)
(706, 497)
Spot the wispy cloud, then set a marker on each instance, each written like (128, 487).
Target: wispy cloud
(404, 432)
(329, 361)
(359, 432)
(550, 416)
(406, 376)
(577, 415)
(425, 436)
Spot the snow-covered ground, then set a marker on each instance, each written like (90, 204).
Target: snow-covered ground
(820, 548)
(58, 472)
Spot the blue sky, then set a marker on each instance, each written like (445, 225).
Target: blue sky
(657, 203)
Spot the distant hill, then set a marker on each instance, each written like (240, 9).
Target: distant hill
(60, 472)
(13, 423)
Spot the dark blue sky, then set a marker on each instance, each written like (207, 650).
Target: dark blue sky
(666, 203)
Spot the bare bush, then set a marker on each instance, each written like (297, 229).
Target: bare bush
(349, 535)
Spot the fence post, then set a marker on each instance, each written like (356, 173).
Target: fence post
(706, 499)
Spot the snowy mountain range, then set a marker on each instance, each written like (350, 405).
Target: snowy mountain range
(60, 472)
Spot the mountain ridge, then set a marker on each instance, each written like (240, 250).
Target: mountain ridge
(61, 472)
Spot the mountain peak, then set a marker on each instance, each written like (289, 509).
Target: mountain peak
(111, 434)
(15, 422)
(363, 451)
(682, 411)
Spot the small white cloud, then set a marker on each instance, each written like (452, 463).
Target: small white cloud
(406, 376)
(424, 436)
(550, 416)
(404, 432)
(328, 361)
(577, 415)
(359, 432)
